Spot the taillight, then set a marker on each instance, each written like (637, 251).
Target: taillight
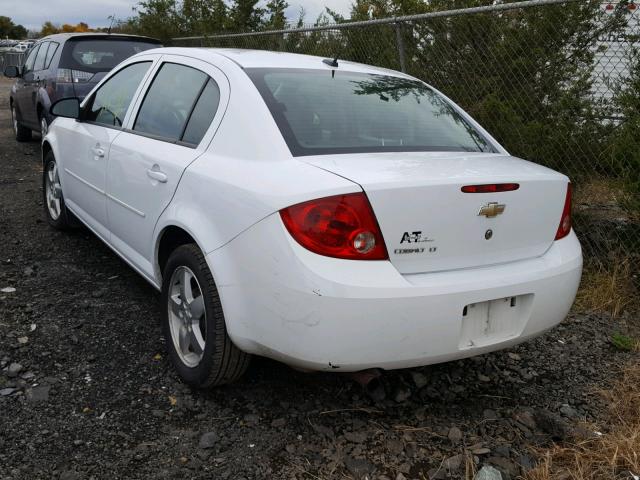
(565, 220)
(66, 75)
(342, 226)
(491, 188)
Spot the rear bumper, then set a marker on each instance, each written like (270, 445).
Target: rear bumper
(284, 302)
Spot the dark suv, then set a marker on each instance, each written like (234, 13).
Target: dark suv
(64, 65)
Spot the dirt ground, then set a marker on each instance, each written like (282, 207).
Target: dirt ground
(86, 391)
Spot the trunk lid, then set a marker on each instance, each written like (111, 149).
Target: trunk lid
(429, 224)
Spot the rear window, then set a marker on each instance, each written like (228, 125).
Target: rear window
(97, 55)
(328, 112)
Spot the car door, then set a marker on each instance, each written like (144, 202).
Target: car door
(84, 145)
(24, 88)
(176, 119)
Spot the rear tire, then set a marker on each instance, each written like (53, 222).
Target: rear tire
(21, 133)
(193, 323)
(54, 208)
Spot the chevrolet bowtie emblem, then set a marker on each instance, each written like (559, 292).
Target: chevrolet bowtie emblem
(492, 209)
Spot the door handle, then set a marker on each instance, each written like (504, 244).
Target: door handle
(155, 174)
(98, 152)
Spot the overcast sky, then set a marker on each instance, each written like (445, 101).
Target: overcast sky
(33, 13)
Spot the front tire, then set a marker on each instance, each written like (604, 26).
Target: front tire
(53, 200)
(21, 133)
(193, 323)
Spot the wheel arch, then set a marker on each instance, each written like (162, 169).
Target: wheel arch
(171, 237)
(46, 148)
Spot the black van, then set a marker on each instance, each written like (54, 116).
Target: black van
(64, 65)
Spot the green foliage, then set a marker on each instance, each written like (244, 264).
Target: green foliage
(8, 29)
(623, 342)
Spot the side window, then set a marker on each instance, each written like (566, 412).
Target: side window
(40, 58)
(110, 103)
(53, 47)
(28, 64)
(202, 114)
(170, 100)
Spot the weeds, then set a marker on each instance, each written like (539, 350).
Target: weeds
(613, 452)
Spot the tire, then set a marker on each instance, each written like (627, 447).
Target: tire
(21, 133)
(54, 208)
(195, 331)
(44, 125)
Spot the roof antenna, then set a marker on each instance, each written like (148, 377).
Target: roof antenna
(331, 62)
(112, 18)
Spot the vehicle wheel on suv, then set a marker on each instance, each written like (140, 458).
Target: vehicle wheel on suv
(22, 134)
(54, 207)
(44, 125)
(194, 325)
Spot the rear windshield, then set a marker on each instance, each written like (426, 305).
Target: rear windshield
(97, 55)
(324, 112)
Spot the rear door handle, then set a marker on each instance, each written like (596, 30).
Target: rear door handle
(98, 152)
(155, 174)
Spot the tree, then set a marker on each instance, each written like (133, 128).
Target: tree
(8, 29)
(245, 15)
(276, 18)
(159, 18)
(204, 16)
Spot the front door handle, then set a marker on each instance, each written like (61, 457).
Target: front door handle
(155, 174)
(98, 152)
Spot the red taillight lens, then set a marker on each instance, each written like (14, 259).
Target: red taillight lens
(491, 188)
(565, 220)
(342, 226)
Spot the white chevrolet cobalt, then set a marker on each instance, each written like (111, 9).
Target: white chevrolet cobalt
(330, 215)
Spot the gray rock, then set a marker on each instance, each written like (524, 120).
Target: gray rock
(38, 394)
(208, 440)
(453, 463)
(14, 370)
(6, 391)
(355, 437)
(358, 467)
(552, 424)
(568, 411)
(401, 395)
(488, 473)
(278, 423)
(251, 418)
(455, 435)
(419, 379)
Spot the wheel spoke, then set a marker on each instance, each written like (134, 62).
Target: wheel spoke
(186, 293)
(50, 175)
(184, 339)
(197, 308)
(175, 305)
(196, 340)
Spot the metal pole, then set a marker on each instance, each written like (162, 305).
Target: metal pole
(400, 45)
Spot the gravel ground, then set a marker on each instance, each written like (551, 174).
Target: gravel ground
(87, 393)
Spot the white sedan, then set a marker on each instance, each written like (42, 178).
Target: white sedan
(330, 215)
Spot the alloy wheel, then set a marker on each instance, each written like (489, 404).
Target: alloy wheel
(44, 127)
(53, 190)
(187, 316)
(14, 120)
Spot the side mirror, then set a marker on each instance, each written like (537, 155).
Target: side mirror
(66, 107)
(12, 71)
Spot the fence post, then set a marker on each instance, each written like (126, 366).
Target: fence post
(400, 45)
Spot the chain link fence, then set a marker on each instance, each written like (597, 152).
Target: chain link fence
(10, 59)
(555, 81)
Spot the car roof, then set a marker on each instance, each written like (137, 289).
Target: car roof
(246, 58)
(62, 37)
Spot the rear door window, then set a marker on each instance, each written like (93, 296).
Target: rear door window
(170, 101)
(202, 114)
(53, 47)
(41, 57)
(110, 103)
